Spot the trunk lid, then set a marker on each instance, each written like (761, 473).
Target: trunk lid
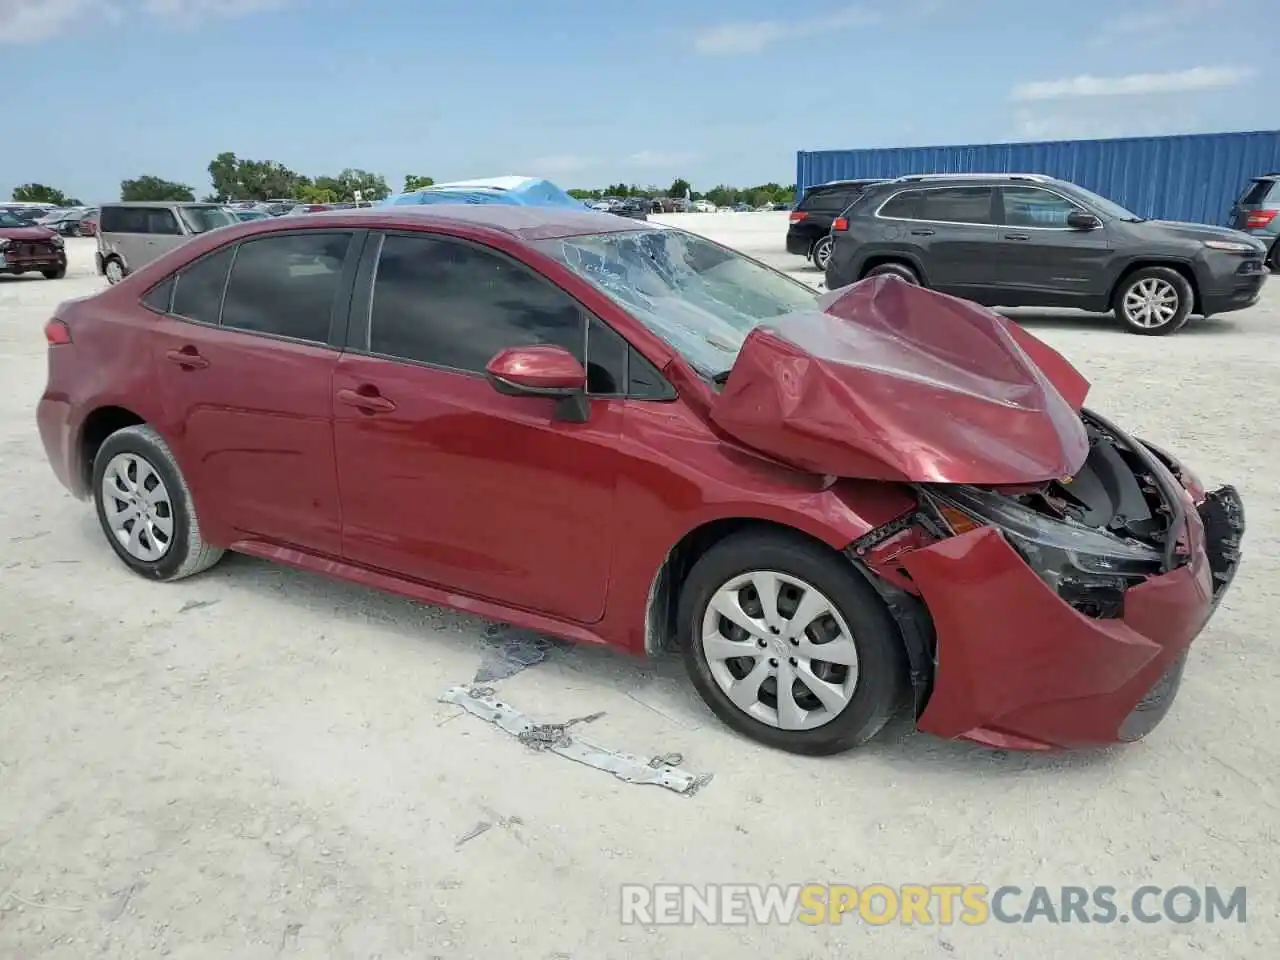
(884, 380)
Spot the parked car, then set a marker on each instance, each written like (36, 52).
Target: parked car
(809, 231)
(629, 434)
(637, 208)
(250, 213)
(27, 213)
(65, 223)
(1257, 213)
(1024, 240)
(131, 235)
(89, 224)
(25, 248)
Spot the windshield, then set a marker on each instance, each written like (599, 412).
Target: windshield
(700, 297)
(204, 219)
(1106, 207)
(8, 219)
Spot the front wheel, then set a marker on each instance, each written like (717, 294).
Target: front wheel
(788, 645)
(821, 253)
(55, 274)
(1153, 301)
(894, 269)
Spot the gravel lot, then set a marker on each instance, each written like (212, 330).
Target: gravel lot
(254, 763)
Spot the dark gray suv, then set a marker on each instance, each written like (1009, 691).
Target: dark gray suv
(1024, 240)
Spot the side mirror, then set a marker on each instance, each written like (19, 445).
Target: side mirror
(1079, 220)
(542, 371)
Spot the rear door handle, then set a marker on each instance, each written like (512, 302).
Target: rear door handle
(1016, 236)
(188, 358)
(369, 402)
(922, 233)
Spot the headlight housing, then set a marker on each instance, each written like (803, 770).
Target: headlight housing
(1089, 568)
(3, 243)
(57, 241)
(1230, 246)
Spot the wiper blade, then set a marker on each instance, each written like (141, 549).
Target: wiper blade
(721, 378)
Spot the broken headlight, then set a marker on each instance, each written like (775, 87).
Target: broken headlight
(1089, 568)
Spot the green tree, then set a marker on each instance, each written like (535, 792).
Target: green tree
(311, 193)
(239, 179)
(154, 188)
(39, 193)
(679, 187)
(344, 186)
(413, 182)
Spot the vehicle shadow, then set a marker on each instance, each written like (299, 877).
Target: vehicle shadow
(658, 684)
(1079, 320)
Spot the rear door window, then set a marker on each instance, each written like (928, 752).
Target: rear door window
(197, 293)
(956, 205)
(286, 285)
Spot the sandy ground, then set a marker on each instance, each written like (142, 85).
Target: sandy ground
(254, 763)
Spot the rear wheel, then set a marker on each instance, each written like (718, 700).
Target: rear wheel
(114, 270)
(55, 274)
(145, 507)
(789, 645)
(821, 253)
(1153, 301)
(894, 270)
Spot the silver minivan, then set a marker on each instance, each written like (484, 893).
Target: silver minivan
(132, 234)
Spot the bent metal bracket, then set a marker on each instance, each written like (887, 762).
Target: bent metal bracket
(662, 771)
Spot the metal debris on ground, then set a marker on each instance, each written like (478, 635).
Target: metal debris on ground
(511, 650)
(555, 737)
(474, 832)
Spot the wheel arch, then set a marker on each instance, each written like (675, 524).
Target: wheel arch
(1178, 266)
(101, 423)
(664, 589)
(906, 259)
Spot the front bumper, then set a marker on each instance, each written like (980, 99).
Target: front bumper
(24, 257)
(1039, 674)
(1237, 286)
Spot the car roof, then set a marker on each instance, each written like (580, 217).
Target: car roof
(838, 184)
(525, 223)
(161, 203)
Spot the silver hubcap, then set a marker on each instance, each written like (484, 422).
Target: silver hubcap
(137, 507)
(780, 650)
(114, 272)
(1151, 303)
(822, 253)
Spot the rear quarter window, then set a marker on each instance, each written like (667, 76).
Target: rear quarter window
(827, 201)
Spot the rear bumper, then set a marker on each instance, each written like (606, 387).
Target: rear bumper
(53, 418)
(1042, 675)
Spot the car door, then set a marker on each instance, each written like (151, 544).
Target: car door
(124, 233)
(165, 232)
(1045, 262)
(953, 228)
(246, 361)
(444, 480)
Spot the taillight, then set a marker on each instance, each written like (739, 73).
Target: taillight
(1260, 218)
(840, 223)
(57, 332)
(798, 215)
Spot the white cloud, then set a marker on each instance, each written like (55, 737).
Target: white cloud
(657, 158)
(33, 21)
(754, 36)
(1134, 84)
(563, 163)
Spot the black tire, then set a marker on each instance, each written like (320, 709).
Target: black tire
(820, 254)
(55, 274)
(894, 269)
(1274, 260)
(107, 271)
(881, 685)
(1159, 275)
(187, 553)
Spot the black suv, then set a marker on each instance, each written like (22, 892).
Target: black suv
(810, 232)
(1024, 240)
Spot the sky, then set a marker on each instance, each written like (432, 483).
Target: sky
(589, 93)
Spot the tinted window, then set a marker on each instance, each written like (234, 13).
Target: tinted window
(197, 293)
(160, 297)
(827, 201)
(644, 382)
(161, 220)
(1031, 207)
(203, 219)
(1259, 190)
(956, 205)
(286, 285)
(606, 359)
(125, 220)
(454, 305)
(904, 206)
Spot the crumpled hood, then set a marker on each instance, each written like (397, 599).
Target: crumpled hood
(25, 233)
(1202, 231)
(884, 380)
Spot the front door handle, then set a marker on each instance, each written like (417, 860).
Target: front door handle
(922, 233)
(367, 401)
(188, 358)
(1016, 236)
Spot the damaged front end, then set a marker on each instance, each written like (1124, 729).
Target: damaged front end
(1056, 614)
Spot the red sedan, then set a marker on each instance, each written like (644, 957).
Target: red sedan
(834, 505)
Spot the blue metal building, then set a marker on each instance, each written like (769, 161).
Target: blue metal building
(1194, 177)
